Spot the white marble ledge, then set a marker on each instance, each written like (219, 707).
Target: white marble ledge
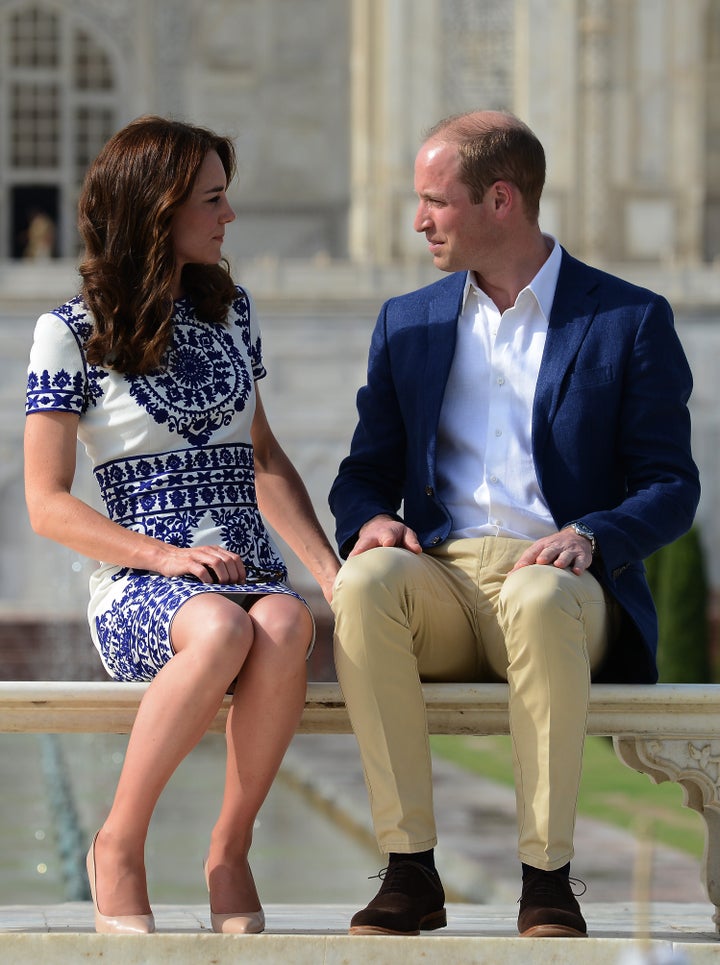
(307, 935)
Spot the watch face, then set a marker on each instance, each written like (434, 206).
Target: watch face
(582, 530)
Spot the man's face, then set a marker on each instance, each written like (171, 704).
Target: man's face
(459, 233)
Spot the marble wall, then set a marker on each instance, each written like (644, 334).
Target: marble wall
(327, 100)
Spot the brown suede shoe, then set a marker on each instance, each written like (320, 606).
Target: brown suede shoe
(411, 898)
(548, 907)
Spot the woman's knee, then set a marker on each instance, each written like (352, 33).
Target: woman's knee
(215, 629)
(284, 621)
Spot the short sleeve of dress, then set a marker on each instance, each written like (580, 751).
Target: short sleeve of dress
(255, 346)
(57, 379)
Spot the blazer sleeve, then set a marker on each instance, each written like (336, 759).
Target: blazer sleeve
(638, 488)
(371, 478)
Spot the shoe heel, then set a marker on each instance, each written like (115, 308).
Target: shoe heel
(235, 923)
(438, 919)
(115, 924)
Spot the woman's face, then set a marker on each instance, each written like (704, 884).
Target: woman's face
(198, 225)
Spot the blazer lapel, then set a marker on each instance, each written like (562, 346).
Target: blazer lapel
(442, 315)
(572, 312)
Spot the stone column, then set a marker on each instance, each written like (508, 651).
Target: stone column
(546, 96)
(362, 76)
(594, 123)
(693, 89)
(393, 98)
(710, 203)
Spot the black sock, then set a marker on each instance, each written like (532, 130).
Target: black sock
(565, 870)
(425, 858)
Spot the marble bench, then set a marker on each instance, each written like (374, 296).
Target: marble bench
(671, 732)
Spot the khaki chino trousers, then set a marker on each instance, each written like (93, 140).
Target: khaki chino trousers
(456, 613)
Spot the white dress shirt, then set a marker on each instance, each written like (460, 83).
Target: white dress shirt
(485, 470)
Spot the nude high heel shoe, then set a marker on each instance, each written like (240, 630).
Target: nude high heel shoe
(115, 924)
(236, 923)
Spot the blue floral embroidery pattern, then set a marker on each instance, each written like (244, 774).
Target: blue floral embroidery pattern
(134, 632)
(65, 391)
(60, 391)
(202, 384)
(168, 495)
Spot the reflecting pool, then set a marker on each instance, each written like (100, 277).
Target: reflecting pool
(56, 791)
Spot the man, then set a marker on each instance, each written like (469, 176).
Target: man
(528, 413)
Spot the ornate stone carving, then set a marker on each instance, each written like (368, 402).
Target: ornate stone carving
(694, 764)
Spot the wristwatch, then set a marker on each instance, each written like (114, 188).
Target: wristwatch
(582, 530)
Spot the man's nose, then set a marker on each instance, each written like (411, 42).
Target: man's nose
(422, 219)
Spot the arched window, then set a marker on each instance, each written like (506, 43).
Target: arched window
(58, 105)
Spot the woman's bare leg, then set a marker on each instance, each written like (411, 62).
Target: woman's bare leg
(212, 637)
(267, 705)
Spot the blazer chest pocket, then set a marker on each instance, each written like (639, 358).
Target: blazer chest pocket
(589, 378)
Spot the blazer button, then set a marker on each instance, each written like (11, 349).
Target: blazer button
(429, 491)
(435, 540)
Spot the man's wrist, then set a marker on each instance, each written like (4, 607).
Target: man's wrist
(582, 529)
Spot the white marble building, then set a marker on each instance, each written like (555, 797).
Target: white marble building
(327, 100)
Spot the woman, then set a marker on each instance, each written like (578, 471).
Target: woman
(153, 368)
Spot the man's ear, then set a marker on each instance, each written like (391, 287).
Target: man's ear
(504, 196)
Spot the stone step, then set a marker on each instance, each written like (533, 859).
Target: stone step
(308, 935)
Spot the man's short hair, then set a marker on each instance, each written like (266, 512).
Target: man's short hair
(490, 151)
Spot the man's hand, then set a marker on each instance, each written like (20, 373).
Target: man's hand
(385, 531)
(565, 549)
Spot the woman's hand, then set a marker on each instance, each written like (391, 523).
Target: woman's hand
(326, 578)
(209, 564)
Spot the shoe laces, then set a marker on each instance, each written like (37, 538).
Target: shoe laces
(395, 874)
(577, 883)
(544, 883)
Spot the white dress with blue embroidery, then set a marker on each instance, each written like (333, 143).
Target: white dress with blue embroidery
(173, 458)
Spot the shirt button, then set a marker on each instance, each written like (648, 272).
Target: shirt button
(435, 540)
(501, 380)
(498, 432)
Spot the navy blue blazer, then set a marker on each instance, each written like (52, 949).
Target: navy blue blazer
(610, 433)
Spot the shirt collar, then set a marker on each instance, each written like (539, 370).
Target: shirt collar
(542, 286)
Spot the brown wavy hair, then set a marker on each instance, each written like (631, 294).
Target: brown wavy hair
(129, 198)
